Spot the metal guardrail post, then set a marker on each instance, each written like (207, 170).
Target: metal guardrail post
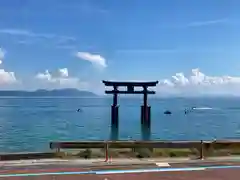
(202, 150)
(106, 152)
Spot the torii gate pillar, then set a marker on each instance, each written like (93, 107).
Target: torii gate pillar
(114, 110)
(145, 110)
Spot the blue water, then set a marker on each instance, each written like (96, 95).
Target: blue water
(29, 124)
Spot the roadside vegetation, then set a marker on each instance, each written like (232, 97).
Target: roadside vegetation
(143, 153)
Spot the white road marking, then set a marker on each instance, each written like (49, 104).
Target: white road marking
(161, 164)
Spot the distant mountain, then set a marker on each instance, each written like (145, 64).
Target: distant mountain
(69, 92)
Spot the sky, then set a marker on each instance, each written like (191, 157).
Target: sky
(190, 47)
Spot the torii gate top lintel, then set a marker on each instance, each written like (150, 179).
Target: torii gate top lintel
(130, 83)
(130, 87)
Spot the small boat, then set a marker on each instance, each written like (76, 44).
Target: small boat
(79, 110)
(167, 112)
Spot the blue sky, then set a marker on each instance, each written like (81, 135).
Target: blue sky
(77, 43)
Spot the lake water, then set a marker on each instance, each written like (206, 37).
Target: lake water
(29, 124)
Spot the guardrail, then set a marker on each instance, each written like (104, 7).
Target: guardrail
(202, 146)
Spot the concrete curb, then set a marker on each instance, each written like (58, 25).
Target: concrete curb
(115, 162)
(22, 156)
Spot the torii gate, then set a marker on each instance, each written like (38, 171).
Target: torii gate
(145, 108)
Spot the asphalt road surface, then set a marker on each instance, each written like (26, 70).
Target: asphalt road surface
(156, 171)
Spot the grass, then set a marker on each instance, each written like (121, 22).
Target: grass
(174, 152)
(126, 153)
(225, 152)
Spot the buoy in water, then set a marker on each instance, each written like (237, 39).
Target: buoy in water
(186, 111)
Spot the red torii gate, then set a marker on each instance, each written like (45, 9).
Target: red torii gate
(145, 108)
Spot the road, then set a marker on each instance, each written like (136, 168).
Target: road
(199, 170)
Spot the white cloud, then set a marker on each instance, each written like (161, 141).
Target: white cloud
(93, 58)
(206, 23)
(28, 33)
(63, 72)
(16, 32)
(44, 76)
(23, 32)
(200, 83)
(6, 78)
(2, 54)
(59, 79)
(199, 23)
